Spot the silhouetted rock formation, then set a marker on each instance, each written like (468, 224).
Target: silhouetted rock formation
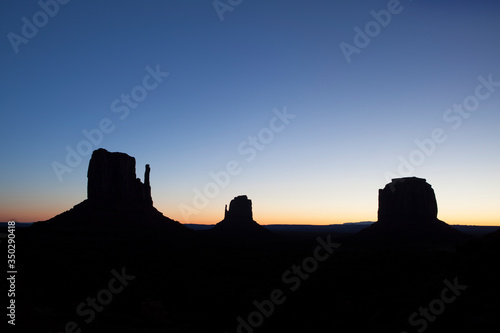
(240, 210)
(238, 221)
(407, 200)
(112, 179)
(117, 200)
(407, 217)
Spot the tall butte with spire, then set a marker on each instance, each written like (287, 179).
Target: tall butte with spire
(112, 180)
(116, 199)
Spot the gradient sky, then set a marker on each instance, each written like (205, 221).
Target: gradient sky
(351, 119)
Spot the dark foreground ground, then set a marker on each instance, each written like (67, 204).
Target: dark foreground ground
(102, 281)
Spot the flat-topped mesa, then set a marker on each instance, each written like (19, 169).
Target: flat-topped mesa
(240, 209)
(407, 200)
(407, 218)
(112, 179)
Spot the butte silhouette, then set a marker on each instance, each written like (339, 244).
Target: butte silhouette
(238, 221)
(116, 200)
(407, 217)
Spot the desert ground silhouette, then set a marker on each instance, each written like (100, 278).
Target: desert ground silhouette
(114, 263)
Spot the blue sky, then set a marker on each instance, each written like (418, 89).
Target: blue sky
(350, 119)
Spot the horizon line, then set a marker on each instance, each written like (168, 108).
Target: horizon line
(293, 224)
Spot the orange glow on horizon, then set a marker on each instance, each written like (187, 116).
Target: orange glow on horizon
(266, 217)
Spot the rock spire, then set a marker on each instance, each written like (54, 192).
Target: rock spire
(112, 179)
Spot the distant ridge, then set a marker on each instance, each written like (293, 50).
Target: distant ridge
(347, 228)
(343, 228)
(18, 224)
